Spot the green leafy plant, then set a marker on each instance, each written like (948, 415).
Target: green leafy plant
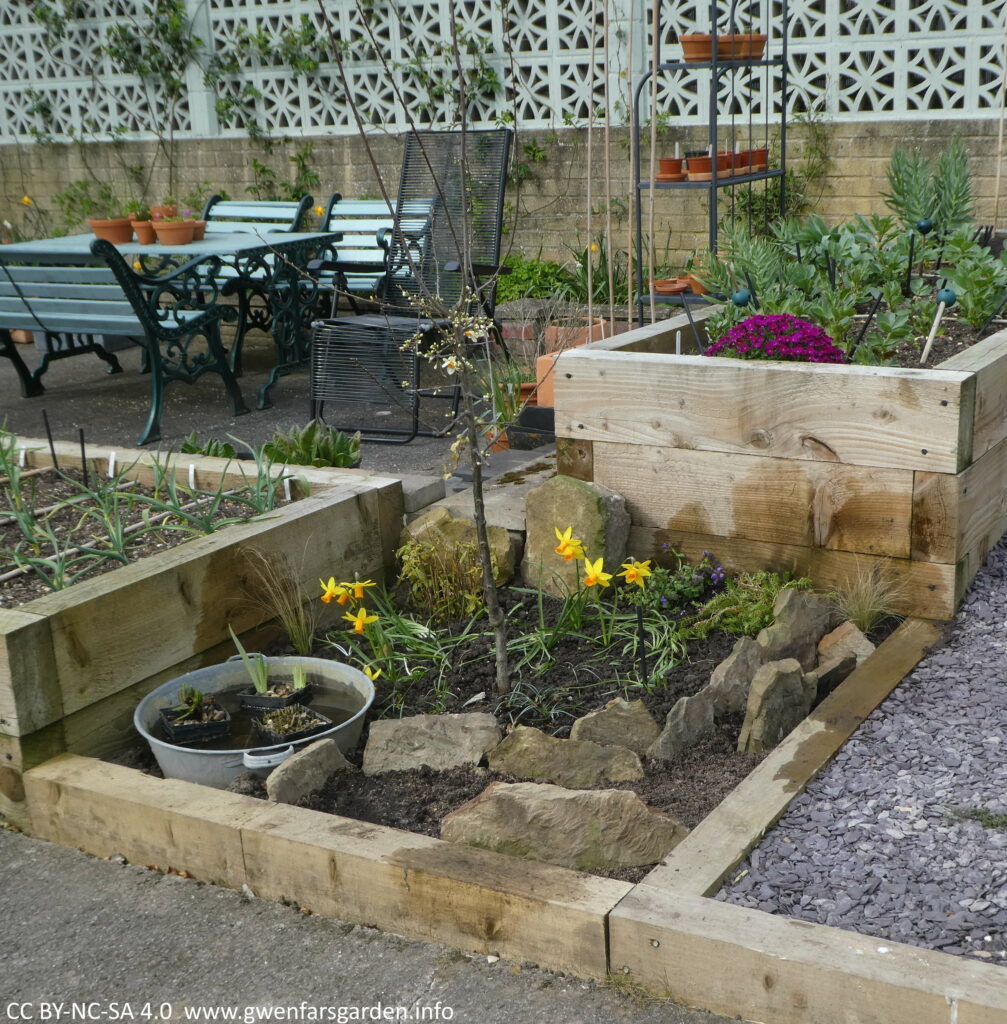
(317, 444)
(532, 278)
(293, 718)
(941, 194)
(743, 607)
(444, 581)
(195, 706)
(211, 446)
(256, 665)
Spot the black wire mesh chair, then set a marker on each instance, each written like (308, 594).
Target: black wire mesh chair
(371, 359)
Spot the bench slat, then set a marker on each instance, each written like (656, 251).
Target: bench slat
(35, 290)
(97, 275)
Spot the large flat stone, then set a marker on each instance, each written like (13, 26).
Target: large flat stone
(688, 722)
(801, 619)
(529, 754)
(731, 679)
(588, 830)
(845, 639)
(598, 518)
(779, 700)
(620, 723)
(440, 741)
(305, 772)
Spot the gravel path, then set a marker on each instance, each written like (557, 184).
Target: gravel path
(877, 843)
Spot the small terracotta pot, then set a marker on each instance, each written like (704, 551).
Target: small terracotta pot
(20, 337)
(564, 334)
(116, 230)
(159, 212)
(499, 441)
(694, 284)
(199, 230)
(742, 160)
(699, 164)
(529, 393)
(670, 165)
(174, 232)
(741, 46)
(758, 159)
(696, 47)
(144, 230)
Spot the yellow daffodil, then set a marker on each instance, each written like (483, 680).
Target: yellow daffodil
(137, 265)
(360, 619)
(595, 247)
(26, 201)
(371, 673)
(569, 546)
(319, 210)
(356, 587)
(594, 573)
(335, 590)
(636, 572)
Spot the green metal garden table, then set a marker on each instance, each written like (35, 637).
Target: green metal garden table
(271, 263)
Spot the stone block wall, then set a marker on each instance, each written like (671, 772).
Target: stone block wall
(548, 212)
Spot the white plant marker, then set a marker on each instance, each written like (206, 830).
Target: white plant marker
(111, 464)
(945, 297)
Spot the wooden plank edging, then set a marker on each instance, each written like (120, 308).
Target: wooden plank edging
(776, 970)
(414, 885)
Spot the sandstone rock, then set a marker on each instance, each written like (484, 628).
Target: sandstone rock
(305, 772)
(800, 621)
(729, 683)
(530, 754)
(829, 674)
(845, 639)
(779, 699)
(588, 830)
(598, 518)
(440, 741)
(447, 533)
(689, 721)
(619, 723)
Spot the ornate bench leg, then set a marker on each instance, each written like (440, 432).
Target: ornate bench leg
(152, 428)
(216, 347)
(30, 387)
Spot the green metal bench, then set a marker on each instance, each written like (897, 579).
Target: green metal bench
(176, 315)
(366, 226)
(254, 217)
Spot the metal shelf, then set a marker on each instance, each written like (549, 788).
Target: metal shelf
(734, 179)
(721, 12)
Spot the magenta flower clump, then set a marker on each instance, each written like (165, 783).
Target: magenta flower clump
(778, 336)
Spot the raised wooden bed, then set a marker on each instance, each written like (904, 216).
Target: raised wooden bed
(820, 469)
(664, 934)
(74, 663)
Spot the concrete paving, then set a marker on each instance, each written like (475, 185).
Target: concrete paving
(118, 937)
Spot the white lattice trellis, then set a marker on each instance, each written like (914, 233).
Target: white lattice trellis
(851, 59)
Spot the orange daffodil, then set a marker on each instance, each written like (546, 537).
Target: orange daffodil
(636, 572)
(569, 546)
(360, 619)
(334, 591)
(357, 586)
(594, 573)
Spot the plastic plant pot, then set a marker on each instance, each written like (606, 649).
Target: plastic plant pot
(194, 732)
(270, 737)
(252, 700)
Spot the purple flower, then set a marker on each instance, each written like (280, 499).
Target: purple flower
(778, 336)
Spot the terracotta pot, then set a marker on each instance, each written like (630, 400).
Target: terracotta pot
(758, 159)
(670, 165)
(529, 393)
(670, 286)
(160, 212)
(741, 46)
(199, 230)
(20, 337)
(742, 161)
(116, 230)
(144, 231)
(563, 334)
(499, 442)
(694, 284)
(174, 232)
(696, 47)
(699, 164)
